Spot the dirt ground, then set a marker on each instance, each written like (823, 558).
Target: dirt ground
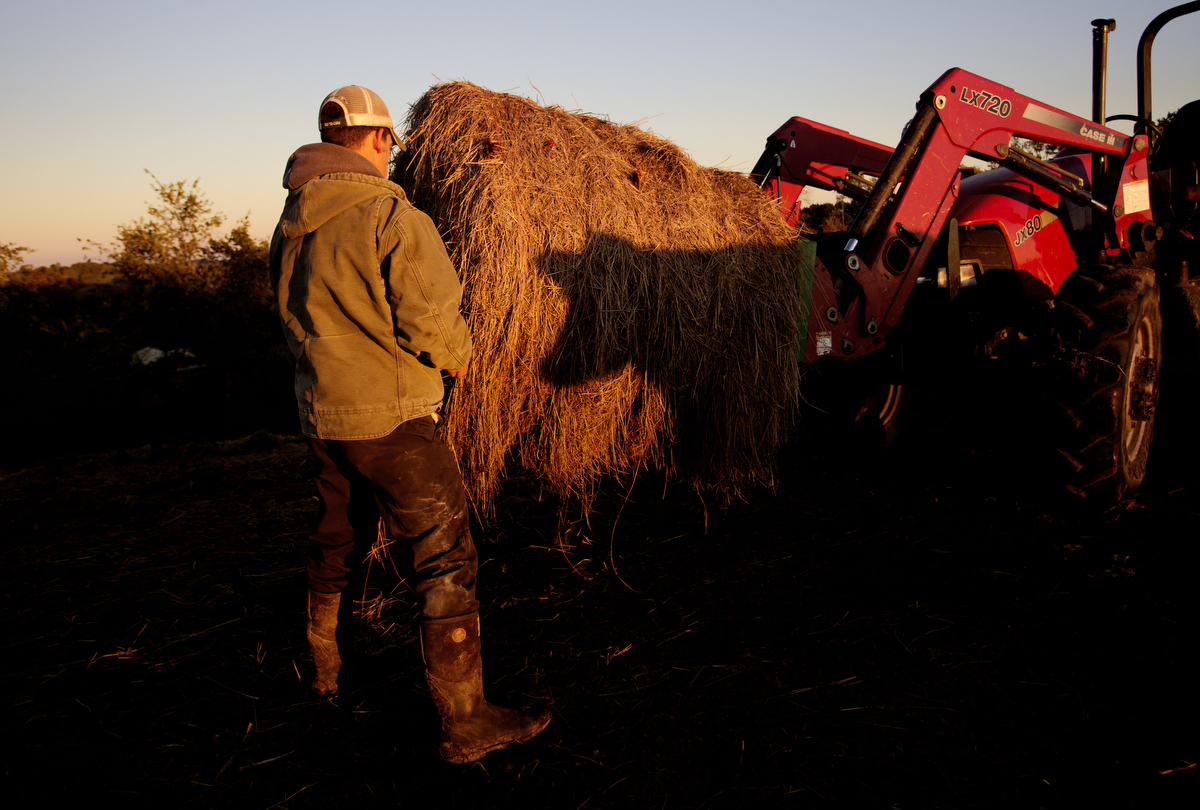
(931, 627)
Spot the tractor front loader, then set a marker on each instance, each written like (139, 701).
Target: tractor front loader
(1067, 264)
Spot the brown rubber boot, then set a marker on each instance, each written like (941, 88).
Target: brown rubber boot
(471, 727)
(322, 640)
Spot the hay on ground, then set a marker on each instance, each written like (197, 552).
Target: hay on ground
(629, 307)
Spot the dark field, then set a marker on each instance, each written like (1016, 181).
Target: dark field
(918, 629)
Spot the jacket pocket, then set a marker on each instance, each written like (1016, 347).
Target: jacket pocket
(345, 374)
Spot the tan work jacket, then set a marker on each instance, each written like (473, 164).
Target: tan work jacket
(367, 295)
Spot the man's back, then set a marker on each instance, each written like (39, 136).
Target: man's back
(367, 296)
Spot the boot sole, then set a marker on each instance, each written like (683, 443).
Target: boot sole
(457, 756)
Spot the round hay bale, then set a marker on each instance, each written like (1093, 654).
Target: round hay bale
(629, 307)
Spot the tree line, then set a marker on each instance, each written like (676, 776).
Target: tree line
(167, 333)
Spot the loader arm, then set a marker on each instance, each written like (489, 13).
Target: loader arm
(805, 153)
(858, 290)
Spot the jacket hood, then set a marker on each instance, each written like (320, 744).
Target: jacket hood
(316, 159)
(323, 180)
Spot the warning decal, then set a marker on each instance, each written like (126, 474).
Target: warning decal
(824, 343)
(1137, 196)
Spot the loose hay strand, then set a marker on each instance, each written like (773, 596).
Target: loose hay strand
(628, 306)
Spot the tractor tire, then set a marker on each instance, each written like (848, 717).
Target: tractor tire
(1181, 336)
(884, 413)
(860, 402)
(1108, 331)
(1175, 423)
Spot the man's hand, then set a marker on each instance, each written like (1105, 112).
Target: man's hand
(457, 373)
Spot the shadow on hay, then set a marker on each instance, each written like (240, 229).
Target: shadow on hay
(680, 360)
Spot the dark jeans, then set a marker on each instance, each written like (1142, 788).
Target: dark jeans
(411, 478)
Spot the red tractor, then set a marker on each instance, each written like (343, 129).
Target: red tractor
(1067, 266)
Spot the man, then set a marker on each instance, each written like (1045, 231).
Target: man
(370, 307)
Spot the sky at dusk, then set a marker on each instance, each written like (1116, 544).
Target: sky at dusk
(96, 92)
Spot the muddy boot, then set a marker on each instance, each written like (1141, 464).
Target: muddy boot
(471, 727)
(322, 640)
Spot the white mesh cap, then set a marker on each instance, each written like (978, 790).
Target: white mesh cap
(360, 108)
